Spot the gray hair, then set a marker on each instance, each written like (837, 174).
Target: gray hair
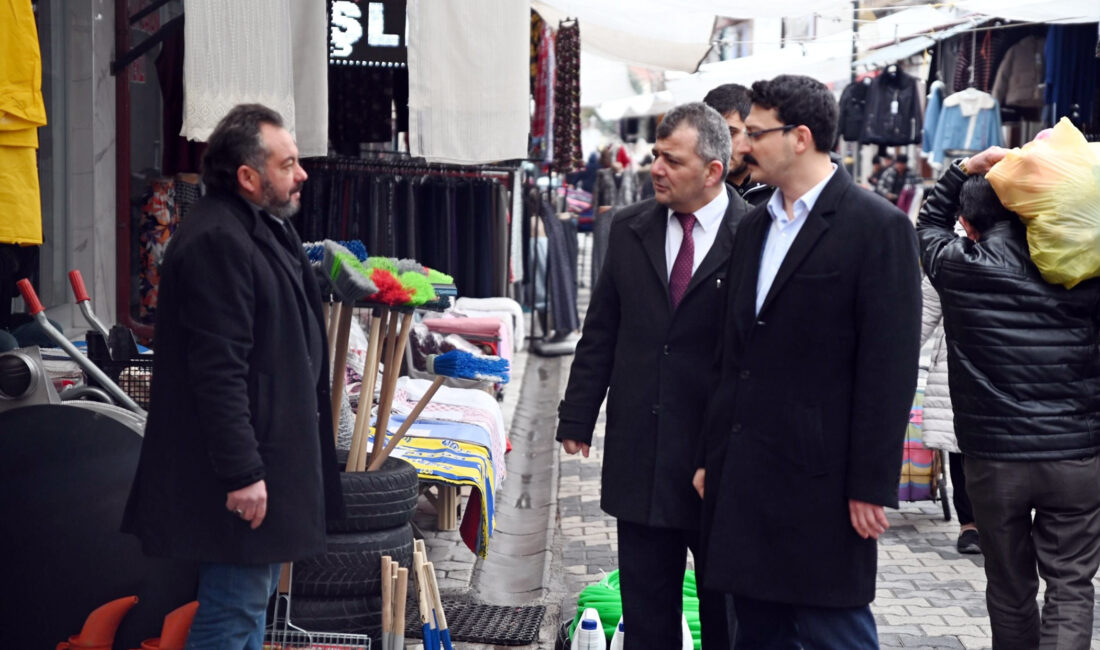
(237, 140)
(714, 134)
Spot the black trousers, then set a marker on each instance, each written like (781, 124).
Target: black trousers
(1060, 543)
(651, 579)
(959, 497)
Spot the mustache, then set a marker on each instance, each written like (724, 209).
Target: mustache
(748, 159)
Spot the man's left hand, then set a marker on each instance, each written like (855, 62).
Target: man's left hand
(868, 519)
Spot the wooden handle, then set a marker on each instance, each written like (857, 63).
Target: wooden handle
(385, 399)
(407, 424)
(401, 593)
(437, 602)
(340, 362)
(370, 374)
(387, 596)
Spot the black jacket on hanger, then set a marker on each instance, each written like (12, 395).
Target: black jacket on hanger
(853, 109)
(893, 112)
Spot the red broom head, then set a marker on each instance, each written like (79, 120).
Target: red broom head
(390, 289)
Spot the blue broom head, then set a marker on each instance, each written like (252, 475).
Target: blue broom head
(463, 365)
(315, 251)
(356, 247)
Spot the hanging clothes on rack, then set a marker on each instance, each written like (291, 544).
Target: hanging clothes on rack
(970, 121)
(932, 116)
(561, 280)
(853, 108)
(893, 111)
(451, 219)
(567, 98)
(1071, 73)
(1019, 80)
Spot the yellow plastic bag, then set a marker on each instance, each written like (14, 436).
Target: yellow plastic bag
(1054, 185)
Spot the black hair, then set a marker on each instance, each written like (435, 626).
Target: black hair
(902, 158)
(880, 159)
(714, 141)
(800, 100)
(980, 205)
(728, 98)
(237, 141)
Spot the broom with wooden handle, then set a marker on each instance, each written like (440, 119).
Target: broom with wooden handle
(399, 596)
(437, 602)
(357, 454)
(456, 363)
(387, 604)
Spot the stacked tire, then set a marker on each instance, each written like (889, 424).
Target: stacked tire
(340, 591)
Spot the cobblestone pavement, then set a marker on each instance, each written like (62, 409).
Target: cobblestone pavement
(928, 595)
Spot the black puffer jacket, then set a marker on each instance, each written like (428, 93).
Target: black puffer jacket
(1023, 359)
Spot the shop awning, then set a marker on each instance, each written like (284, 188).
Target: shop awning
(637, 106)
(893, 53)
(1038, 11)
(664, 34)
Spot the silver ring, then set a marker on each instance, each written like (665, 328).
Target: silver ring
(239, 512)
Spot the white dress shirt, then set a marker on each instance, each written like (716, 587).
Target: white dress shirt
(782, 234)
(708, 219)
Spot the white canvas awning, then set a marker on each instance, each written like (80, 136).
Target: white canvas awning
(1038, 11)
(637, 106)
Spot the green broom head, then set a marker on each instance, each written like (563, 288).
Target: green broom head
(386, 263)
(605, 597)
(390, 290)
(419, 286)
(406, 265)
(439, 277)
(349, 279)
(463, 365)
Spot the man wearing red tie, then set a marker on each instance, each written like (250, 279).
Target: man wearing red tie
(648, 344)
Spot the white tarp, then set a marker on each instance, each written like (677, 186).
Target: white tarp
(664, 34)
(1038, 11)
(603, 79)
(637, 106)
(828, 60)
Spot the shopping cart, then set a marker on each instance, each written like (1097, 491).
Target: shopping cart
(283, 634)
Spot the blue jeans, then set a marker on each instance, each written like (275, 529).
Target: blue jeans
(777, 626)
(232, 606)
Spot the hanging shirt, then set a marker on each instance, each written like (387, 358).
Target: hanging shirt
(781, 235)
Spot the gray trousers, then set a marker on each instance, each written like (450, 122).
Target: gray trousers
(1061, 544)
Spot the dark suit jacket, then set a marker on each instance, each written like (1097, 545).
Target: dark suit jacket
(235, 396)
(813, 401)
(656, 363)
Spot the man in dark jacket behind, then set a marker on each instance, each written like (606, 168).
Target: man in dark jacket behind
(733, 102)
(1025, 383)
(237, 469)
(649, 336)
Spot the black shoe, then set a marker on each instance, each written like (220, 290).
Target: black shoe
(968, 542)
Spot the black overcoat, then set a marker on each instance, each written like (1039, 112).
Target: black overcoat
(813, 401)
(235, 396)
(656, 362)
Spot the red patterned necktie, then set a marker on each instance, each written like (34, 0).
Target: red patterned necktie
(685, 259)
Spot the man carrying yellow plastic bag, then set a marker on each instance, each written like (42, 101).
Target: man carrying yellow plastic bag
(1053, 183)
(1025, 384)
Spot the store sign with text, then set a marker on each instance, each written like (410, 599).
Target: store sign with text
(367, 33)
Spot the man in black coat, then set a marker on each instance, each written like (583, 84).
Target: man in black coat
(802, 444)
(649, 336)
(1025, 385)
(238, 469)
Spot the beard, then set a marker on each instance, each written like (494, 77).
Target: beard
(277, 206)
(739, 170)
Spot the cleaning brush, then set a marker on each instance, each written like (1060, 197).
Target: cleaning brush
(405, 265)
(419, 286)
(315, 250)
(455, 363)
(389, 291)
(347, 276)
(439, 277)
(379, 262)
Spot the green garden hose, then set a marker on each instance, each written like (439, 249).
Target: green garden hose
(604, 597)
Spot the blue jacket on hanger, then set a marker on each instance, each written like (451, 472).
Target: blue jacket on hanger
(932, 116)
(971, 120)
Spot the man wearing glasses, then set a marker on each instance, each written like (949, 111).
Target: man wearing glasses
(802, 445)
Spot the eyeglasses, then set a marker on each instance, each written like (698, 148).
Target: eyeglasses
(756, 135)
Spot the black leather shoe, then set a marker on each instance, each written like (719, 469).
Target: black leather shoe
(968, 542)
